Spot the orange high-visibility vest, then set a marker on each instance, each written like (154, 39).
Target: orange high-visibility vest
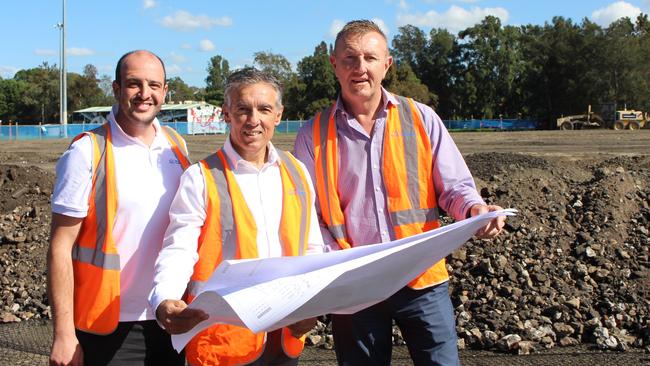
(407, 175)
(227, 214)
(95, 260)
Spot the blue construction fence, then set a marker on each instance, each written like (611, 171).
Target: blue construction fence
(48, 131)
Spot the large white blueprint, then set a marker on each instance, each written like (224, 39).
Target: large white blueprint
(266, 294)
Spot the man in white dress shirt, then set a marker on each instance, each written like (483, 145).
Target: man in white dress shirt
(247, 200)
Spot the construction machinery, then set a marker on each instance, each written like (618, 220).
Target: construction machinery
(608, 117)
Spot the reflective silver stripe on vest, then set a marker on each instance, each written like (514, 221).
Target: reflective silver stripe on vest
(301, 191)
(414, 216)
(338, 231)
(228, 247)
(96, 256)
(173, 135)
(410, 142)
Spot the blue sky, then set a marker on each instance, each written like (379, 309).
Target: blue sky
(187, 33)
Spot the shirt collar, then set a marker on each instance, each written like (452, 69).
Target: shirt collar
(120, 134)
(238, 162)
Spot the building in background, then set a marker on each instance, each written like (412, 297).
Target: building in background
(193, 118)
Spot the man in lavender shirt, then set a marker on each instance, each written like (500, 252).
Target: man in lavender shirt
(424, 313)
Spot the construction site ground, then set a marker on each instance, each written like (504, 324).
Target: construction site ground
(28, 342)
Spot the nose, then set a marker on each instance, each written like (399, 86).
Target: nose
(359, 65)
(145, 91)
(254, 117)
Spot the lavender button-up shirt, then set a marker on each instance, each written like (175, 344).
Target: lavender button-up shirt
(360, 186)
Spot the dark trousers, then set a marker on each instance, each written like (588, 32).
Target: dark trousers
(425, 318)
(132, 343)
(273, 354)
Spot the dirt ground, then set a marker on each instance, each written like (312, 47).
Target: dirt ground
(574, 145)
(577, 191)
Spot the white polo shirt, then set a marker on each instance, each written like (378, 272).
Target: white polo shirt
(147, 179)
(262, 191)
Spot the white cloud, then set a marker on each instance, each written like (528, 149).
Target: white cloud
(8, 71)
(184, 21)
(148, 4)
(206, 45)
(605, 16)
(338, 24)
(45, 52)
(403, 4)
(452, 1)
(336, 27)
(455, 19)
(177, 58)
(76, 51)
(382, 25)
(173, 69)
(186, 46)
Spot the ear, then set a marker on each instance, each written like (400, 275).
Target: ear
(333, 61)
(165, 90)
(278, 117)
(225, 113)
(116, 89)
(389, 61)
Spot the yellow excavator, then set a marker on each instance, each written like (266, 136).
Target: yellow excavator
(625, 119)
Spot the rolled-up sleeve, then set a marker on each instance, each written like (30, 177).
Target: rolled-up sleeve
(178, 255)
(73, 180)
(452, 179)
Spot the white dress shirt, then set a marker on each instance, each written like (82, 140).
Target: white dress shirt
(262, 191)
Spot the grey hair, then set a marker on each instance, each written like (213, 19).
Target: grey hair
(358, 28)
(249, 76)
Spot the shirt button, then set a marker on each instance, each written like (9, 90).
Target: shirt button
(377, 189)
(381, 210)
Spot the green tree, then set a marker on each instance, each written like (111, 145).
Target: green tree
(84, 90)
(218, 72)
(179, 91)
(316, 87)
(400, 79)
(40, 99)
(11, 92)
(274, 64)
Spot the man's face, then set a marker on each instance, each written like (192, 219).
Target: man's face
(141, 90)
(360, 63)
(253, 114)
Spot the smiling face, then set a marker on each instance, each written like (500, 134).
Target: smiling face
(360, 63)
(141, 89)
(253, 113)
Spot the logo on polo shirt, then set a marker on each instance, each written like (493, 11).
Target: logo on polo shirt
(174, 161)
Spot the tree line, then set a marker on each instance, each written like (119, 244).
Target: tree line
(485, 71)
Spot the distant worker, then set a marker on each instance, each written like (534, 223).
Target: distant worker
(382, 165)
(110, 209)
(247, 200)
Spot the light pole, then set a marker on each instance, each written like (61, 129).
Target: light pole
(63, 87)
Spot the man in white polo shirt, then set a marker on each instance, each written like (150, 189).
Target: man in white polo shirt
(110, 206)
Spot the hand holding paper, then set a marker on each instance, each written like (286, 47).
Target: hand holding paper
(266, 294)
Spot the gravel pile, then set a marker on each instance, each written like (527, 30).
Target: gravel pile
(573, 266)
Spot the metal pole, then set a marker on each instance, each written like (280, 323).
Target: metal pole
(64, 98)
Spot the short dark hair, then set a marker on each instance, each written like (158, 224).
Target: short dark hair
(118, 68)
(358, 28)
(249, 76)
